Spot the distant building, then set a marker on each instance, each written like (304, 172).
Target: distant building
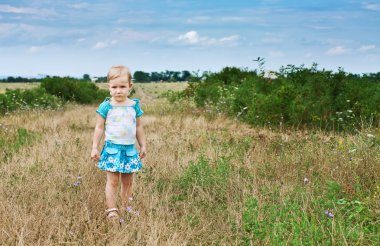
(271, 75)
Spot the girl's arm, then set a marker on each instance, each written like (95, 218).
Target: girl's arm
(98, 133)
(140, 135)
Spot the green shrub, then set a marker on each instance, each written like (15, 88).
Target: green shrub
(299, 97)
(26, 99)
(70, 89)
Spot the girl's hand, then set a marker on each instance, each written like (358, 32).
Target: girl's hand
(142, 153)
(95, 154)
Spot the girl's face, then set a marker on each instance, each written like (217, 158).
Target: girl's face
(119, 89)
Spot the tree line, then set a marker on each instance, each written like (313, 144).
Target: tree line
(138, 76)
(168, 76)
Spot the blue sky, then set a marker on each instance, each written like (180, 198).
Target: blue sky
(74, 37)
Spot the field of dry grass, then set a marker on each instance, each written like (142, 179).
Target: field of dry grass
(197, 177)
(13, 86)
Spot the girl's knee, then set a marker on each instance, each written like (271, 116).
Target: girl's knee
(127, 179)
(112, 180)
(113, 183)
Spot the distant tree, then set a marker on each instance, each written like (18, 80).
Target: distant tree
(185, 75)
(86, 77)
(174, 76)
(154, 76)
(101, 79)
(140, 76)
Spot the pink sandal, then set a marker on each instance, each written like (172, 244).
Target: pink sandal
(112, 213)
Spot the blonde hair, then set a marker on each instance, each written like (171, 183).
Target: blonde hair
(119, 72)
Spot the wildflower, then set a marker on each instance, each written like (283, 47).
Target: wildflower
(340, 119)
(370, 135)
(76, 183)
(129, 209)
(350, 111)
(329, 214)
(121, 220)
(306, 180)
(352, 151)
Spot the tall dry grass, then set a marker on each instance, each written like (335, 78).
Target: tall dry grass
(14, 86)
(41, 202)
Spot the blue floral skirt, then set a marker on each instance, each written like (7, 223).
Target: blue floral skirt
(119, 158)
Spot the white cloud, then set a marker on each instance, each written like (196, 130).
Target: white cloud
(193, 38)
(22, 10)
(338, 50)
(276, 53)
(34, 49)
(104, 44)
(371, 6)
(366, 48)
(80, 40)
(198, 19)
(79, 6)
(229, 39)
(234, 19)
(130, 35)
(271, 38)
(322, 28)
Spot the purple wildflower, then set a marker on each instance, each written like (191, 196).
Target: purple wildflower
(329, 214)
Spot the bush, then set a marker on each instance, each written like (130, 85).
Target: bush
(70, 89)
(27, 99)
(299, 97)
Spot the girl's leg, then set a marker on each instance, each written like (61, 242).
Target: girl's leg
(111, 189)
(126, 188)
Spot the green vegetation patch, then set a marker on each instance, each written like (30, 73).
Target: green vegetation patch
(70, 89)
(204, 179)
(11, 140)
(304, 217)
(19, 99)
(299, 97)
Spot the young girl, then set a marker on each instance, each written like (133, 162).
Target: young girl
(119, 117)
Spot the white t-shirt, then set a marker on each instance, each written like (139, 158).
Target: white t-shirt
(120, 126)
